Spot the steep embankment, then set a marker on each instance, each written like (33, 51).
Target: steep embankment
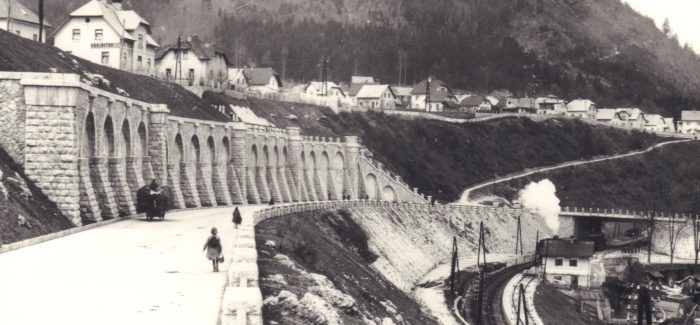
(19, 196)
(664, 179)
(372, 256)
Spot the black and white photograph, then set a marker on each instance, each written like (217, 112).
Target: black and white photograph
(342, 162)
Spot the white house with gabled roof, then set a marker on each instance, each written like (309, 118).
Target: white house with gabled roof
(689, 122)
(23, 22)
(582, 108)
(376, 97)
(105, 34)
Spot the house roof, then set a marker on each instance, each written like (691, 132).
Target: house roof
(97, 8)
(475, 100)
(318, 85)
(20, 12)
(633, 113)
(420, 88)
(690, 116)
(579, 105)
(203, 51)
(605, 114)
(261, 76)
(402, 90)
(355, 88)
(372, 91)
(131, 20)
(569, 248)
(361, 80)
(526, 102)
(655, 119)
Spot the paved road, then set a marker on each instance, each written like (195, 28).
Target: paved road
(465, 198)
(129, 272)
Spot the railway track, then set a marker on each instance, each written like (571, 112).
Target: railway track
(492, 313)
(525, 281)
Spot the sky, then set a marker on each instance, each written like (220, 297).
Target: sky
(681, 14)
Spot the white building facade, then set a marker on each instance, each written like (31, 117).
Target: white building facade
(23, 22)
(105, 34)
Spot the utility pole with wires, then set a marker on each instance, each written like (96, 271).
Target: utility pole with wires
(519, 237)
(482, 273)
(454, 269)
(324, 65)
(9, 15)
(522, 302)
(41, 21)
(427, 94)
(178, 59)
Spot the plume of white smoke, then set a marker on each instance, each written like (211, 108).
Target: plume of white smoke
(541, 198)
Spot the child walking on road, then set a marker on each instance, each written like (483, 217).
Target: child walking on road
(213, 248)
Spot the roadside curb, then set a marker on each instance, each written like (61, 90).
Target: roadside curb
(63, 233)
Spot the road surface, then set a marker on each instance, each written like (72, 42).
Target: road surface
(129, 272)
(465, 198)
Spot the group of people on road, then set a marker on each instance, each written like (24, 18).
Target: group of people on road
(213, 247)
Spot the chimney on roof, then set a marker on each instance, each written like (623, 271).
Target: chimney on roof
(117, 4)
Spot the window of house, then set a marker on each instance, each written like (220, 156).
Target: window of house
(140, 41)
(558, 278)
(148, 63)
(573, 263)
(105, 57)
(76, 34)
(168, 73)
(184, 55)
(558, 262)
(139, 61)
(99, 34)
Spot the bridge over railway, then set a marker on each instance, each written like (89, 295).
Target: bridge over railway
(577, 221)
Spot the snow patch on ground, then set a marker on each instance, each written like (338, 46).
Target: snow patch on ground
(277, 278)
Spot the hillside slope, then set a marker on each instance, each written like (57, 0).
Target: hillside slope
(19, 196)
(600, 49)
(664, 179)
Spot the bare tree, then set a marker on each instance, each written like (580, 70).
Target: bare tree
(674, 229)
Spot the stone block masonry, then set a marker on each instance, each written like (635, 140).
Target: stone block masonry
(90, 150)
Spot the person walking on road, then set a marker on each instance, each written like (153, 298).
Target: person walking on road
(236, 218)
(213, 248)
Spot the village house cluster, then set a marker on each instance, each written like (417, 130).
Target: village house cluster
(103, 32)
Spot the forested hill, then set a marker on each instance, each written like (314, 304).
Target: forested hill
(600, 49)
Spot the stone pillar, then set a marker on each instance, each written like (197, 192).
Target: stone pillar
(220, 184)
(320, 190)
(147, 170)
(188, 183)
(292, 185)
(51, 143)
(567, 227)
(271, 176)
(295, 168)
(253, 194)
(261, 181)
(120, 186)
(89, 208)
(204, 187)
(332, 190)
(309, 183)
(99, 174)
(175, 186)
(134, 176)
(283, 185)
(239, 134)
(352, 150)
(237, 194)
(157, 139)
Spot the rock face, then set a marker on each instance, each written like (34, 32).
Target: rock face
(411, 240)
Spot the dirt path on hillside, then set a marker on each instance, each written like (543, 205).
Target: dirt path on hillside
(465, 198)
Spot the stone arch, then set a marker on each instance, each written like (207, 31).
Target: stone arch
(179, 152)
(371, 186)
(275, 157)
(253, 156)
(108, 138)
(210, 154)
(284, 157)
(338, 173)
(88, 148)
(265, 157)
(388, 194)
(195, 151)
(323, 175)
(225, 153)
(125, 150)
(143, 141)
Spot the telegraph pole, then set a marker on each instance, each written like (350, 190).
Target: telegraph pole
(41, 21)
(482, 271)
(519, 237)
(454, 270)
(9, 15)
(427, 94)
(178, 59)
